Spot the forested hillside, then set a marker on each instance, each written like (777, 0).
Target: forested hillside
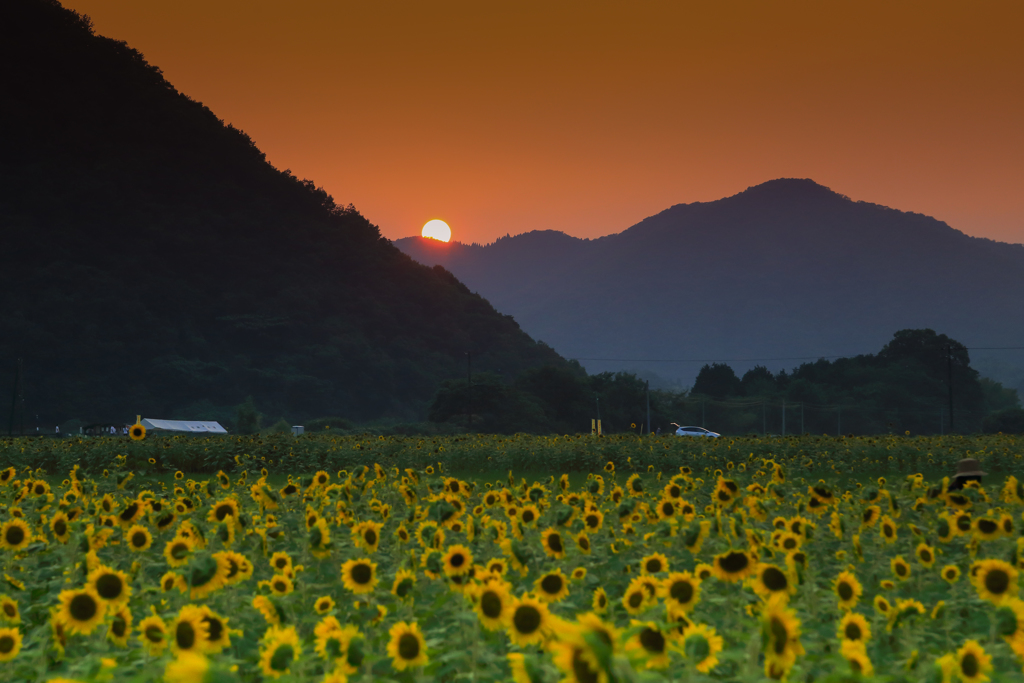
(154, 262)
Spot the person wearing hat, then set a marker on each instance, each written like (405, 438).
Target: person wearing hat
(967, 470)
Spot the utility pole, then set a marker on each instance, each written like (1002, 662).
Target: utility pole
(783, 417)
(949, 369)
(764, 421)
(802, 432)
(702, 413)
(469, 391)
(839, 429)
(647, 388)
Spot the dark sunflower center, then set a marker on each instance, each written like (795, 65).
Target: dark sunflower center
(129, 512)
(552, 584)
(138, 539)
(653, 566)
(652, 640)
(10, 610)
(490, 605)
(780, 635)
(408, 646)
(371, 537)
(216, 627)
(282, 656)
(6, 644)
(581, 668)
(15, 535)
(969, 665)
(185, 635)
(526, 619)
(926, 556)
(179, 551)
(852, 631)
(734, 562)
(83, 607)
(636, 599)
(60, 527)
(845, 590)
(987, 526)
(362, 573)
(154, 634)
(901, 569)
(527, 515)
(997, 581)
(555, 543)
(789, 543)
(681, 592)
(585, 543)
(774, 579)
(222, 512)
(118, 626)
(963, 522)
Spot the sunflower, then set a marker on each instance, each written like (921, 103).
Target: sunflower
(457, 560)
(583, 542)
(593, 520)
(848, 590)
(137, 432)
(492, 604)
(995, 581)
(887, 530)
(882, 605)
(788, 541)
(636, 598)
(9, 611)
(59, 527)
(219, 635)
(280, 648)
(951, 573)
(781, 635)
(650, 644)
(769, 580)
(529, 514)
(579, 573)
(654, 563)
(139, 539)
(367, 535)
(869, 517)
(323, 605)
(407, 648)
(734, 565)
(701, 646)
(854, 627)
(281, 562)
(681, 589)
(972, 663)
(189, 633)
(359, 576)
(551, 539)
(153, 635)
(528, 621)
(552, 587)
(81, 610)
(15, 535)
(600, 602)
(120, 626)
(280, 584)
(110, 584)
(270, 610)
(856, 655)
(10, 644)
(177, 551)
(900, 568)
(171, 580)
(207, 574)
(987, 529)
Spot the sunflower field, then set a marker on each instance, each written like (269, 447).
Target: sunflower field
(739, 560)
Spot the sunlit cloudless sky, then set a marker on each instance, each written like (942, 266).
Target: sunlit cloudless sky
(586, 117)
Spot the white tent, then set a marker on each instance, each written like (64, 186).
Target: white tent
(183, 426)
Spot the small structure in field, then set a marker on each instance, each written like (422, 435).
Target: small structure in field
(182, 426)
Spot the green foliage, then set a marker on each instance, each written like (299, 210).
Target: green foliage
(248, 420)
(1008, 421)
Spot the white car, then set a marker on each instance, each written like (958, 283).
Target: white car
(696, 431)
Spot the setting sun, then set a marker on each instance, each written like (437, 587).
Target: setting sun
(438, 230)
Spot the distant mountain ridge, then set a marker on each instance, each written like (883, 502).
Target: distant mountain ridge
(787, 268)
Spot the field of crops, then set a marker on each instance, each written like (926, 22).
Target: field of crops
(360, 558)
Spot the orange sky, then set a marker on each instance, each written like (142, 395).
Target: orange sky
(504, 117)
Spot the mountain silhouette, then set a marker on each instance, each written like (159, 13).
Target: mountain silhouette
(153, 261)
(785, 269)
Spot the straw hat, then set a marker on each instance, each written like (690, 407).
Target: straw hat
(969, 467)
